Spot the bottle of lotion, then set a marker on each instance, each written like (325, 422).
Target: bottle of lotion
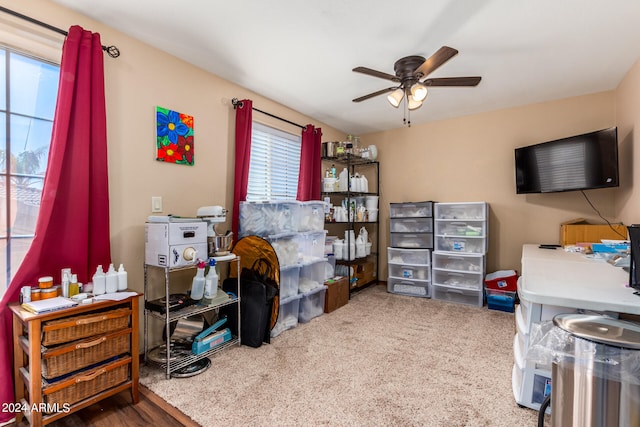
(111, 280)
(99, 281)
(122, 278)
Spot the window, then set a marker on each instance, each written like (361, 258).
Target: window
(274, 165)
(27, 105)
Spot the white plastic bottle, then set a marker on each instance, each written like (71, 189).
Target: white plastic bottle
(111, 280)
(211, 283)
(99, 281)
(122, 278)
(197, 285)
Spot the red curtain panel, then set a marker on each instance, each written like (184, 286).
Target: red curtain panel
(310, 177)
(72, 229)
(244, 118)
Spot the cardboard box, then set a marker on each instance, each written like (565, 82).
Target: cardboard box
(337, 293)
(365, 273)
(579, 231)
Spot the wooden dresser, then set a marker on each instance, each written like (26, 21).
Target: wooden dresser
(68, 359)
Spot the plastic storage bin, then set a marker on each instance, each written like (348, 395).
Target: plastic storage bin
(412, 240)
(503, 280)
(411, 225)
(408, 271)
(476, 245)
(458, 262)
(287, 314)
(501, 300)
(409, 256)
(418, 288)
(457, 279)
(461, 211)
(312, 304)
(312, 275)
(269, 218)
(289, 277)
(312, 245)
(411, 210)
(458, 295)
(467, 228)
(287, 248)
(311, 216)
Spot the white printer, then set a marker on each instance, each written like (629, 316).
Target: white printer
(175, 241)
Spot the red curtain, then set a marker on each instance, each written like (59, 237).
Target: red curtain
(244, 118)
(72, 229)
(310, 176)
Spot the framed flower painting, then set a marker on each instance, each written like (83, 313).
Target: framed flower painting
(174, 137)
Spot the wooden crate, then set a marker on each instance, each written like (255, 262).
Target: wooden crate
(570, 234)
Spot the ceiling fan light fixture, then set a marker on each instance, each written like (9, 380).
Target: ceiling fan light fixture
(419, 92)
(413, 104)
(395, 97)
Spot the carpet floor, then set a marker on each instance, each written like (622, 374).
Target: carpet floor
(381, 360)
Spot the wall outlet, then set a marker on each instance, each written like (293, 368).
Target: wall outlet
(156, 204)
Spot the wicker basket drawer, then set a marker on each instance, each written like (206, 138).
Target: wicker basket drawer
(86, 384)
(67, 358)
(78, 327)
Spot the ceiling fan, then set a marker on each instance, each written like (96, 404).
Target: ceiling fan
(410, 72)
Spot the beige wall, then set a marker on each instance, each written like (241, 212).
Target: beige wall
(627, 118)
(472, 159)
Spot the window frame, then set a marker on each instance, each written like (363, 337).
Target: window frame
(269, 141)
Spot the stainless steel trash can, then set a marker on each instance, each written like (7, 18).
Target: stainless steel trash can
(599, 385)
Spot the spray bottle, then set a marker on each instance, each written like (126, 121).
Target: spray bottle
(197, 285)
(211, 283)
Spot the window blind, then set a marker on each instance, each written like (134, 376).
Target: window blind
(275, 164)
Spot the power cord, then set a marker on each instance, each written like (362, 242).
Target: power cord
(624, 237)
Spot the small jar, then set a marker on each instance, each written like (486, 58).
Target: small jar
(48, 293)
(35, 294)
(45, 282)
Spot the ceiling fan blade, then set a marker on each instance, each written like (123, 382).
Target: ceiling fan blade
(453, 81)
(375, 73)
(443, 54)
(371, 95)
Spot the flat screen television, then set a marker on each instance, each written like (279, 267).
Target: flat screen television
(580, 162)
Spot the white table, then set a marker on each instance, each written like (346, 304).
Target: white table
(575, 280)
(554, 281)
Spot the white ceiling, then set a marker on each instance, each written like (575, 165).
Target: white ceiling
(301, 53)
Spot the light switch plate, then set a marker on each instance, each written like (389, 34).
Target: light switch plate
(156, 204)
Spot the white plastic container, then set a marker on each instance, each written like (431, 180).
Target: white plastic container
(287, 314)
(312, 304)
(122, 278)
(329, 185)
(371, 202)
(373, 215)
(99, 281)
(409, 256)
(111, 280)
(338, 249)
(289, 277)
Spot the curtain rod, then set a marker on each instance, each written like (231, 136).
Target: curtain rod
(112, 51)
(236, 102)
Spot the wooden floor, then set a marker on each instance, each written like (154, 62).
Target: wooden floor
(119, 411)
